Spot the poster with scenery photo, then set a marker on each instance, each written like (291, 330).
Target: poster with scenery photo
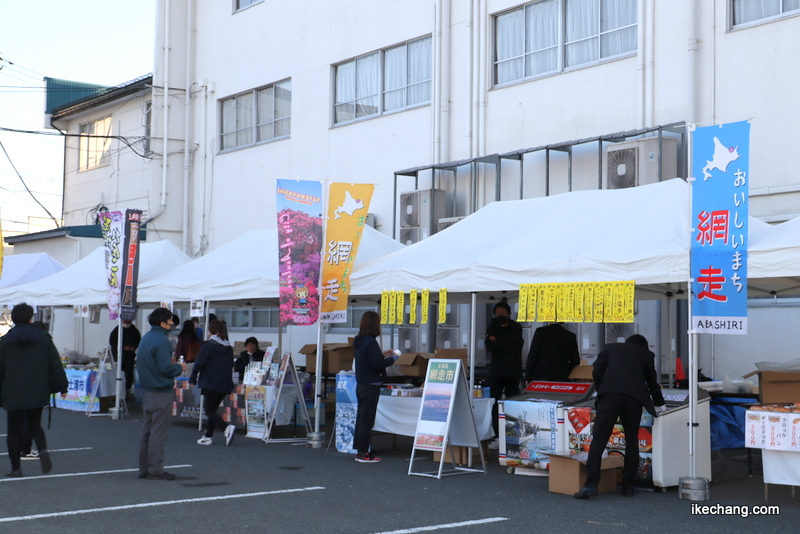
(440, 384)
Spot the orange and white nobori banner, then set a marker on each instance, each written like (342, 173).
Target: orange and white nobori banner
(347, 214)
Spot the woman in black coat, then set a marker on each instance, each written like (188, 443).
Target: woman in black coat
(214, 365)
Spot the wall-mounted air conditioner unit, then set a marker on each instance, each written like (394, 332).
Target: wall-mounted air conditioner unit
(409, 235)
(422, 209)
(447, 222)
(633, 163)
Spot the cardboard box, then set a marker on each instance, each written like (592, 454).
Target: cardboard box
(582, 373)
(414, 363)
(777, 388)
(335, 357)
(453, 354)
(462, 454)
(567, 475)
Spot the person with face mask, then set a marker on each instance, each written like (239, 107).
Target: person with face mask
(504, 342)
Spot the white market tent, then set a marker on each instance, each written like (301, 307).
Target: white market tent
(25, 268)
(84, 282)
(246, 269)
(773, 262)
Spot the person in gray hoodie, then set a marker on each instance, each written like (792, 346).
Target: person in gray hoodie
(29, 369)
(157, 374)
(214, 365)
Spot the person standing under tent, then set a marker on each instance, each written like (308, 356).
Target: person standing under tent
(188, 342)
(130, 342)
(553, 354)
(504, 340)
(157, 374)
(371, 366)
(626, 381)
(29, 369)
(214, 364)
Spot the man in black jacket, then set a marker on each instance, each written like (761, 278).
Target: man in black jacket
(504, 340)
(29, 369)
(626, 381)
(553, 355)
(131, 337)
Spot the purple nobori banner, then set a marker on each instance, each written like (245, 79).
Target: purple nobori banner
(299, 206)
(130, 266)
(720, 165)
(111, 225)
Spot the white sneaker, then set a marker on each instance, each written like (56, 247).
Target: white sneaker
(230, 430)
(494, 444)
(204, 441)
(33, 455)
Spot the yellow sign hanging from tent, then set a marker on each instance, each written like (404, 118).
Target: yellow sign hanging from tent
(442, 306)
(412, 307)
(426, 299)
(581, 302)
(384, 307)
(401, 306)
(392, 307)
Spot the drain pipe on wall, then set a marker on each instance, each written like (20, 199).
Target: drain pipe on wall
(186, 124)
(165, 136)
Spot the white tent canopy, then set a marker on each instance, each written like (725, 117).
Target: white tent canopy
(25, 268)
(639, 234)
(773, 264)
(84, 282)
(244, 269)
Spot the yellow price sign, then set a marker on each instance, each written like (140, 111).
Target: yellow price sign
(412, 307)
(401, 306)
(442, 306)
(384, 307)
(426, 302)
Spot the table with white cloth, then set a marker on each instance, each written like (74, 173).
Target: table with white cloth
(398, 415)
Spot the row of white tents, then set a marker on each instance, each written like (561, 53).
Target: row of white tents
(641, 234)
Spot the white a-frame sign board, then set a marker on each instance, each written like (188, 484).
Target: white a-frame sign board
(293, 391)
(446, 418)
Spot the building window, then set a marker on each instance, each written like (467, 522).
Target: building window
(257, 116)
(148, 122)
(745, 11)
(95, 144)
(550, 35)
(246, 319)
(241, 4)
(392, 79)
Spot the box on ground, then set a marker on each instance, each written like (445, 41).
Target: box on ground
(335, 357)
(414, 363)
(568, 475)
(777, 387)
(582, 373)
(462, 454)
(453, 354)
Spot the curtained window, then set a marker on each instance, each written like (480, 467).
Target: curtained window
(549, 35)
(745, 11)
(393, 79)
(255, 116)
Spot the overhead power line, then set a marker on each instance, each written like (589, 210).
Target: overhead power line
(26, 185)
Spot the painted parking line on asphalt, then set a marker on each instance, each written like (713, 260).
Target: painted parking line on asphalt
(58, 450)
(446, 525)
(62, 475)
(151, 504)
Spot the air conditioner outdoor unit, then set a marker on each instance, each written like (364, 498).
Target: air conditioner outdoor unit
(408, 339)
(410, 235)
(633, 163)
(447, 222)
(422, 209)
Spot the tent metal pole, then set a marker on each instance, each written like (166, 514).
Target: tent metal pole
(473, 337)
(119, 364)
(318, 378)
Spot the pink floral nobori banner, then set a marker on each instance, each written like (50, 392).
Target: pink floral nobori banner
(299, 206)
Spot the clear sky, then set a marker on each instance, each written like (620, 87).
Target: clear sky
(106, 42)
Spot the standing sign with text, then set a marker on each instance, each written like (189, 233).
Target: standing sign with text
(440, 384)
(720, 165)
(111, 225)
(130, 265)
(299, 206)
(347, 215)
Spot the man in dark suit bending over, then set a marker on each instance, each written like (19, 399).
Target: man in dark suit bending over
(626, 381)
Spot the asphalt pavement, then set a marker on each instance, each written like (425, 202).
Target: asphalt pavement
(283, 487)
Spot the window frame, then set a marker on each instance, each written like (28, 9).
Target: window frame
(237, 7)
(87, 143)
(250, 311)
(254, 126)
(381, 91)
(732, 26)
(561, 46)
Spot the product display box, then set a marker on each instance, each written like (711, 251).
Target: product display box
(582, 373)
(568, 475)
(335, 357)
(777, 387)
(453, 354)
(414, 363)
(462, 454)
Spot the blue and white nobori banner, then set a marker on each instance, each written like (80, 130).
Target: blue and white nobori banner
(720, 166)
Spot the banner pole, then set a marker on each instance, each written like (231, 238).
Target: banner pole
(119, 364)
(692, 336)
